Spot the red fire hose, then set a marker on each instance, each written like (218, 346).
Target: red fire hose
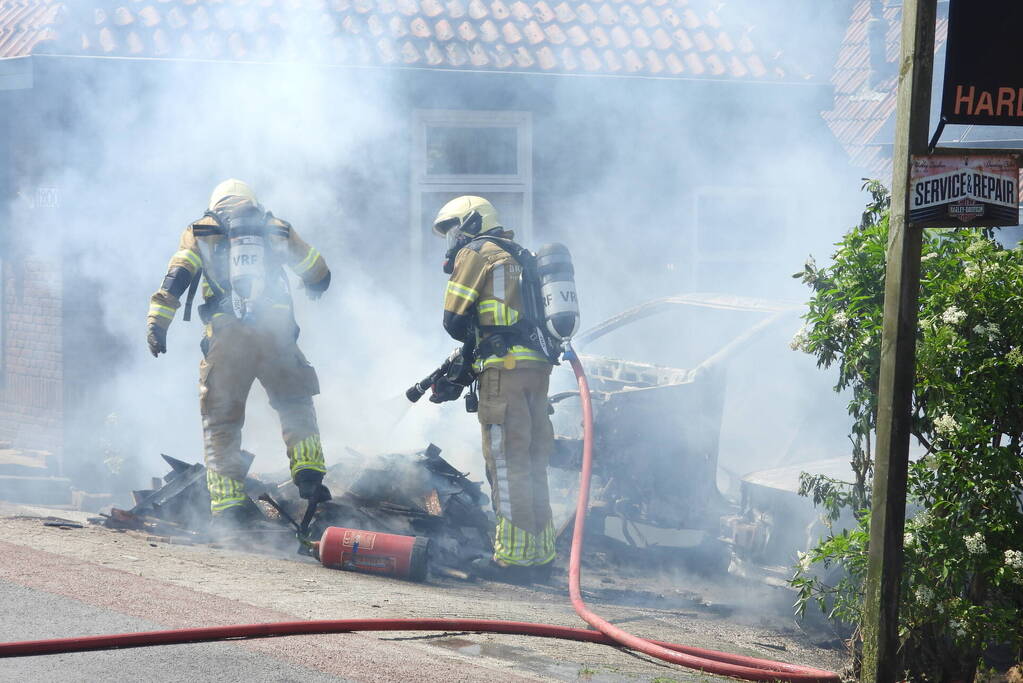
(707, 661)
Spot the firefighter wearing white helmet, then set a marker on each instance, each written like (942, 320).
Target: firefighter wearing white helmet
(484, 304)
(239, 250)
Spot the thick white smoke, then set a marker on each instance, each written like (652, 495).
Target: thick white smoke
(327, 149)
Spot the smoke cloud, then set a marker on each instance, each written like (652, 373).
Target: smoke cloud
(658, 187)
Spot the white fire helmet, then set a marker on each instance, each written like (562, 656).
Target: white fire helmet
(458, 211)
(232, 187)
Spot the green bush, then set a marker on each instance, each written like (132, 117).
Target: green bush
(962, 590)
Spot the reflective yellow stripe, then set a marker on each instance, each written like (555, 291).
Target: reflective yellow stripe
(516, 546)
(224, 491)
(161, 311)
(516, 352)
(308, 262)
(190, 256)
(307, 455)
(462, 291)
(503, 313)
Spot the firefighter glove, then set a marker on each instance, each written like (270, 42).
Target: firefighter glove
(316, 289)
(156, 337)
(445, 390)
(310, 486)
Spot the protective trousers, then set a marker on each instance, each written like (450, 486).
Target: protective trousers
(236, 353)
(517, 442)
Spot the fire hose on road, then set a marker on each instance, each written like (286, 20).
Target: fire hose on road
(707, 661)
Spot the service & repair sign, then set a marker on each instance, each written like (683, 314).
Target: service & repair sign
(957, 188)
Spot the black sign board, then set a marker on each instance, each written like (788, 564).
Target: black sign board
(983, 60)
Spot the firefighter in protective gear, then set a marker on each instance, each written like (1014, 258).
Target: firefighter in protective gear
(239, 250)
(484, 300)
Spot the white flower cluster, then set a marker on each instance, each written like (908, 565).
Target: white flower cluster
(946, 425)
(804, 561)
(1014, 559)
(953, 315)
(800, 339)
(841, 319)
(924, 595)
(975, 544)
(928, 257)
(990, 330)
(909, 539)
(971, 272)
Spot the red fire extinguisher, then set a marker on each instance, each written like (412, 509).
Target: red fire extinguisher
(403, 557)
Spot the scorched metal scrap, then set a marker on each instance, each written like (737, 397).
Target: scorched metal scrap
(411, 494)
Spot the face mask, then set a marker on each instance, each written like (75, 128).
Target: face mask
(459, 236)
(456, 239)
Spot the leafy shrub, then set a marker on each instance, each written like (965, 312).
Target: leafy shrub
(962, 589)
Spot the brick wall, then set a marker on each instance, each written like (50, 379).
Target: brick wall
(31, 401)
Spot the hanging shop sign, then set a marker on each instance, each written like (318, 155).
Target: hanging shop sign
(983, 82)
(956, 188)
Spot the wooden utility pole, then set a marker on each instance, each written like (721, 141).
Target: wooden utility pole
(898, 353)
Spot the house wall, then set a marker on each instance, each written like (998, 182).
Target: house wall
(31, 400)
(31, 380)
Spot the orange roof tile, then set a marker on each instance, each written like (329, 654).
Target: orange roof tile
(478, 56)
(555, 34)
(578, 36)
(651, 37)
(456, 10)
(477, 10)
(543, 12)
(467, 32)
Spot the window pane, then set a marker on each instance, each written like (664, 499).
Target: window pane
(458, 150)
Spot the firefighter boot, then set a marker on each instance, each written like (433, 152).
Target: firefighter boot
(244, 517)
(491, 570)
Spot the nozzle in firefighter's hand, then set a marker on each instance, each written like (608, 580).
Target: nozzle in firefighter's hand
(445, 390)
(310, 486)
(156, 338)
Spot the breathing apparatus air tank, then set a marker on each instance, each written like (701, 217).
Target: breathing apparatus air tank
(247, 261)
(557, 290)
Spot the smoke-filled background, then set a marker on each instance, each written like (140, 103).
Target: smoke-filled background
(657, 186)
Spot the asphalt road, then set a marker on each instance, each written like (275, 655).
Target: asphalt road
(30, 614)
(61, 582)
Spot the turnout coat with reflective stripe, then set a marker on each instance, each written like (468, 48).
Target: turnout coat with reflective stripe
(204, 245)
(486, 280)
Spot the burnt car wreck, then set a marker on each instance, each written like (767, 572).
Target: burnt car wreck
(656, 445)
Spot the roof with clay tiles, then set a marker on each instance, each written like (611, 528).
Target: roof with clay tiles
(863, 111)
(661, 38)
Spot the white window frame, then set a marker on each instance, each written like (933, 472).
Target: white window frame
(724, 193)
(481, 184)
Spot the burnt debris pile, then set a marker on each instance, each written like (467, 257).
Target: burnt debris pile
(411, 494)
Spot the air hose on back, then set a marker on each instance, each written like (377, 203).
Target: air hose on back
(707, 661)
